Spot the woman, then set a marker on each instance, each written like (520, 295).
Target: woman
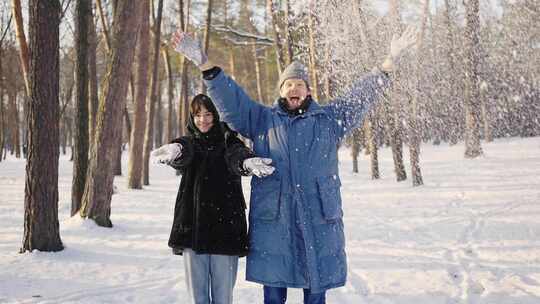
(209, 227)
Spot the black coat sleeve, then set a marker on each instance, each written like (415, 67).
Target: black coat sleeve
(235, 154)
(185, 159)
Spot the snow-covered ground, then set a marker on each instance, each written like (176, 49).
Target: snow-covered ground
(471, 234)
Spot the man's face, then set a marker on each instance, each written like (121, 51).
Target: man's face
(295, 91)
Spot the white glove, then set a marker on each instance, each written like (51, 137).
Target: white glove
(190, 47)
(259, 166)
(398, 46)
(166, 153)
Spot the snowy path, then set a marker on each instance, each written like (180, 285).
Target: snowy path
(470, 235)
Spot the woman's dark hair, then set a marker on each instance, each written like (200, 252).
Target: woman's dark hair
(199, 101)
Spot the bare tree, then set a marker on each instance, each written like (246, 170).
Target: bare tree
(83, 16)
(206, 39)
(169, 130)
(148, 132)
(67, 83)
(183, 104)
(258, 77)
(488, 137)
(394, 110)
(369, 121)
(255, 52)
(41, 227)
(158, 115)
(14, 121)
(472, 99)
(117, 165)
(2, 116)
(3, 32)
(135, 164)
(104, 24)
(453, 77)
(93, 86)
(314, 79)
(288, 47)
(274, 15)
(356, 138)
(99, 184)
(24, 60)
(23, 45)
(414, 137)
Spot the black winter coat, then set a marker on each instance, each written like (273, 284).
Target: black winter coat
(209, 215)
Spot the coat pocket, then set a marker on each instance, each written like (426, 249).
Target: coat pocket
(329, 192)
(264, 200)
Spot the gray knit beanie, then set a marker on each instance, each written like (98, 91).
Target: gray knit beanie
(295, 70)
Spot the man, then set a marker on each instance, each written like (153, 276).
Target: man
(296, 228)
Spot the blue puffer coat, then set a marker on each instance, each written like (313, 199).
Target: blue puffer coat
(295, 217)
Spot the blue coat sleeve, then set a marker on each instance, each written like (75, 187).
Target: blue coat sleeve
(350, 108)
(236, 108)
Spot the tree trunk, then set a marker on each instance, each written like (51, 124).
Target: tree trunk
(117, 162)
(277, 37)
(183, 103)
(65, 119)
(2, 116)
(206, 42)
(135, 163)
(149, 130)
(288, 34)
(24, 59)
(99, 185)
(452, 75)
(232, 63)
(488, 137)
(158, 117)
(414, 137)
(41, 227)
(472, 107)
(369, 124)
(23, 125)
(70, 135)
(169, 130)
(327, 83)
(93, 85)
(117, 165)
(258, 77)
(2, 124)
(313, 57)
(83, 15)
(355, 150)
(393, 109)
(371, 145)
(14, 123)
(127, 124)
(63, 135)
(104, 26)
(23, 46)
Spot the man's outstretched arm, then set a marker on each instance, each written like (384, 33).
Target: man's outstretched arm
(350, 108)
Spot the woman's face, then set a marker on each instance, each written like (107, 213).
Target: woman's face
(204, 120)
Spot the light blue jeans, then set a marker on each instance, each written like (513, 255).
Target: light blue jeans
(210, 278)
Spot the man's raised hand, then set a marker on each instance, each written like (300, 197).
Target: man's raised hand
(399, 45)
